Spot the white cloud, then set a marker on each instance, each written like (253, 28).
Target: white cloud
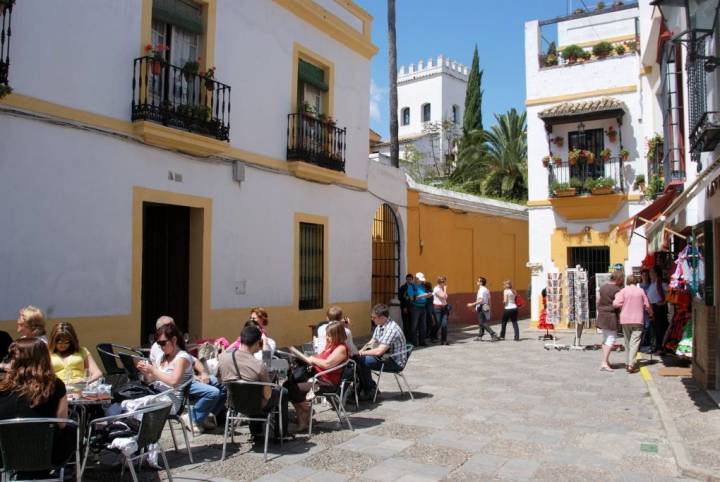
(377, 96)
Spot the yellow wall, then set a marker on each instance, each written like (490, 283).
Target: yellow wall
(463, 246)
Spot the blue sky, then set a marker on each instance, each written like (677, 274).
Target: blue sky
(427, 28)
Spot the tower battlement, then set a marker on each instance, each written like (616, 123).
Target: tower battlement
(440, 65)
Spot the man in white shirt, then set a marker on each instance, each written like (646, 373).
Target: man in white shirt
(483, 309)
(335, 313)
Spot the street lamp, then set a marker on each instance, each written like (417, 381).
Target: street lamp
(698, 17)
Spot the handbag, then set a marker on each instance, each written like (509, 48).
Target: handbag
(519, 301)
(301, 373)
(485, 307)
(131, 390)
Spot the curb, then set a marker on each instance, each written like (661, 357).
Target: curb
(682, 459)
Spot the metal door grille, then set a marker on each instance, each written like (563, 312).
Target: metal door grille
(672, 165)
(697, 94)
(385, 255)
(312, 264)
(595, 259)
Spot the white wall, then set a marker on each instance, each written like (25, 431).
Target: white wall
(597, 27)
(66, 214)
(79, 53)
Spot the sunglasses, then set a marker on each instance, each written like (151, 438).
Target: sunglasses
(62, 342)
(162, 342)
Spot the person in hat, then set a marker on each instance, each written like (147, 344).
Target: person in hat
(417, 296)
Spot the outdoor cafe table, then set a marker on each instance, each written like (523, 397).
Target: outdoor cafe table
(81, 404)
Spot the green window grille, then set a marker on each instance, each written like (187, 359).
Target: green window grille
(181, 13)
(312, 75)
(311, 266)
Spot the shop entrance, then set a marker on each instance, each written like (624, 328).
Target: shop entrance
(593, 259)
(165, 266)
(385, 255)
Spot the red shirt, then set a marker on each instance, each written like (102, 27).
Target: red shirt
(335, 376)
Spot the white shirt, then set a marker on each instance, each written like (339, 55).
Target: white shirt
(437, 299)
(483, 295)
(510, 296)
(321, 339)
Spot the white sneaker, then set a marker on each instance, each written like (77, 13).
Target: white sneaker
(189, 425)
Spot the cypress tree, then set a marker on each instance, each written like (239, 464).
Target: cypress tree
(472, 118)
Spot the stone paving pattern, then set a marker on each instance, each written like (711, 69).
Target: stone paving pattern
(483, 411)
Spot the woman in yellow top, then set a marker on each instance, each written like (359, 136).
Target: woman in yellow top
(70, 361)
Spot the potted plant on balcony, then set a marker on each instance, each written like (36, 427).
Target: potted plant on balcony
(308, 109)
(562, 189)
(202, 112)
(190, 69)
(574, 156)
(577, 184)
(631, 45)
(558, 141)
(546, 160)
(624, 154)
(587, 156)
(655, 187)
(640, 182)
(611, 134)
(209, 78)
(572, 53)
(551, 57)
(601, 185)
(157, 55)
(620, 49)
(654, 144)
(605, 154)
(602, 49)
(4, 90)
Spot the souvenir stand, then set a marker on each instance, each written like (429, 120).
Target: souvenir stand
(553, 308)
(577, 302)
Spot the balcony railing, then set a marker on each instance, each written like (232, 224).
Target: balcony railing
(174, 97)
(705, 135)
(6, 9)
(577, 176)
(316, 141)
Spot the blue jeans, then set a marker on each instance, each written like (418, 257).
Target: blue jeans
(369, 363)
(418, 320)
(206, 398)
(441, 317)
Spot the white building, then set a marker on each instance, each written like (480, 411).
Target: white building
(577, 104)
(429, 94)
(132, 188)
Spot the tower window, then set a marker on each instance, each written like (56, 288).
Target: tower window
(405, 116)
(426, 113)
(455, 114)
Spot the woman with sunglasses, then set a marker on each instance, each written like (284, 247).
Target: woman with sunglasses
(70, 361)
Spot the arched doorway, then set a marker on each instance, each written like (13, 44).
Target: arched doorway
(385, 255)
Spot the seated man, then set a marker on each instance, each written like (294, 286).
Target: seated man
(385, 347)
(207, 394)
(241, 364)
(335, 313)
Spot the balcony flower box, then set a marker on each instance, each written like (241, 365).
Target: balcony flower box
(562, 189)
(602, 185)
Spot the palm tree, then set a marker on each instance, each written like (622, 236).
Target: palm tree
(494, 162)
(392, 67)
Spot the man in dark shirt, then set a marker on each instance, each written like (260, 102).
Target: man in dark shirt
(405, 303)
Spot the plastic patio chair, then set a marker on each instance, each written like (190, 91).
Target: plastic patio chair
(333, 395)
(26, 445)
(398, 374)
(244, 402)
(152, 422)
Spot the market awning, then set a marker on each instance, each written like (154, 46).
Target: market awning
(648, 214)
(665, 219)
(569, 112)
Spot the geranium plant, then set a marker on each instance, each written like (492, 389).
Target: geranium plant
(209, 78)
(588, 156)
(624, 154)
(557, 140)
(611, 134)
(157, 53)
(574, 156)
(605, 154)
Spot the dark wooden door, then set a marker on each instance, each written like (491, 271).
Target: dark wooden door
(165, 265)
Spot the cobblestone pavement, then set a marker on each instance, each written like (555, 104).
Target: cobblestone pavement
(483, 411)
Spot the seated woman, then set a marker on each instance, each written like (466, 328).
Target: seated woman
(268, 344)
(173, 368)
(335, 353)
(30, 389)
(71, 362)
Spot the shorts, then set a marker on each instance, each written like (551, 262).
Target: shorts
(609, 337)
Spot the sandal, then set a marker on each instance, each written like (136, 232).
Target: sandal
(606, 369)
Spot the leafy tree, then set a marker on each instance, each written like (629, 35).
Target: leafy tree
(472, 118)
(494, 163)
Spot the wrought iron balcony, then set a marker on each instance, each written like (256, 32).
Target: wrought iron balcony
(578, 176)
(6, 8)
(705, 135)
(175, 97)
(316, 141)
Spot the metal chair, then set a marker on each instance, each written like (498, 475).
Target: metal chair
(184, 390)
(245, 402)
(26, 445)
(333, 395)
(109, 359)
(398, 374)
(350, 382)
(152, 421)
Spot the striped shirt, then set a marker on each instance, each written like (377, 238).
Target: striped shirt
(391, 335)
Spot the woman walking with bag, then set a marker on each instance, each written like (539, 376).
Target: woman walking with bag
(442, 309)
(607, 317)
(510, 313)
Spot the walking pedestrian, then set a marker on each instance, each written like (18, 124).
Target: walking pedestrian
(483, 310)
(441, 309)
(405, 303)
(656, 296)
(633, 303)
(510, 313)
(418, 319)
(607, 319)
(647, 334)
